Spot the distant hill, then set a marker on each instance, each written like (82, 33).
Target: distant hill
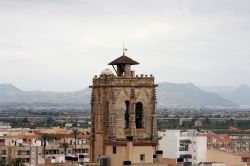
(9, 89)
(188, 95)
(240, 96)
(168, 95)
(218, 89)
(9, 94)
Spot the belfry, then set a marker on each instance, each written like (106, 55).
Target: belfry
(123, 114)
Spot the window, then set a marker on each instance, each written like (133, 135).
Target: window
(142, 157)
(126, 114)
(18, 152)
(138, 115)
(84, 150)
(106, 116)
(114, 149)
(3, 152)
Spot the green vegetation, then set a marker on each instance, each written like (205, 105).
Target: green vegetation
(44, 138)
(65, 146)
(75, 132)
(14, 162)
(2, 162)
(218, 125)
(17, 162)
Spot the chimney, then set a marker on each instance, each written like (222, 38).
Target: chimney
(129, 146)
(154, 158)
(159, 155)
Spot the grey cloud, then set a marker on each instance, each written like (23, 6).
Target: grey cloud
(186, 40)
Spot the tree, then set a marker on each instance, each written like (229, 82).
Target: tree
(207, 121)
(2, 163)
(75, 132)
(25, 120)
(50, 121)
(65, 146)
(44, 138)
(17, 162)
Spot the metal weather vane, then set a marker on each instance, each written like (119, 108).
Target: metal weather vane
(124, 49)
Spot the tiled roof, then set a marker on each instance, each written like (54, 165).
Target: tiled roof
(123, 60)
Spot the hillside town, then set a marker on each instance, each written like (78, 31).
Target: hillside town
(72, 94)
(122, 130)
(195, 148)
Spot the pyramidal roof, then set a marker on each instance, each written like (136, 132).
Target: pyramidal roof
(123, 60)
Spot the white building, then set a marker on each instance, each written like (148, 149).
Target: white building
(69, 125)
(211, 164)
(187, 145)
(5, 125)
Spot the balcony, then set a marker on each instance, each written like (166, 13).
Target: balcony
(183, 149)
(23, 154)
(186, 156)
(185, 141)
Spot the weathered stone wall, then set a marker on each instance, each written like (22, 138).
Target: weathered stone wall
(108, 115)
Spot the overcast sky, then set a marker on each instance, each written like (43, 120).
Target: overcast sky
(60, 45)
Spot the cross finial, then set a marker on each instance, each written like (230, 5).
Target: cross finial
(124, 49)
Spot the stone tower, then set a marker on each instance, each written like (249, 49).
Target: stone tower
(123, 114)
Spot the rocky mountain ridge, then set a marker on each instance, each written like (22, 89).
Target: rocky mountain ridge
(168, 95)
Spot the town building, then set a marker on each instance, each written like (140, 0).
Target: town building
(185, 145)
(240, 142)
(228, 157)
(211, 164)
(218, 141)
(5, 125)
(27, 145)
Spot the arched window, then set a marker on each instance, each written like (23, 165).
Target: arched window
(106, 122)
(138, 115)
(126, 114)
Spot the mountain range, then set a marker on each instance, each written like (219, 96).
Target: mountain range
(239, 95)
(10, 95)
(168, 95)
(189, 95)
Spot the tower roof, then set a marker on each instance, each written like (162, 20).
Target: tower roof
(123, 60)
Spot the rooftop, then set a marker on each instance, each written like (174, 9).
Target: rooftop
(123, 60)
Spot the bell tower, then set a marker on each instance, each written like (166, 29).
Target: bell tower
(123, 114)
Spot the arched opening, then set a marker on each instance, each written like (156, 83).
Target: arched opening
(138, 115)
(126, 114)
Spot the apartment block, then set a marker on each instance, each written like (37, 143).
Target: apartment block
(186, 145)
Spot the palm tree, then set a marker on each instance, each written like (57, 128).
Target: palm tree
(75, 132)
(44, 138)
(65, 146)
(17, 162)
